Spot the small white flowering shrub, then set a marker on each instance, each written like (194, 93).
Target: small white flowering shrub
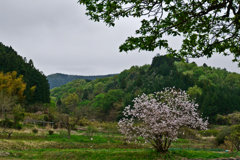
(159, 117)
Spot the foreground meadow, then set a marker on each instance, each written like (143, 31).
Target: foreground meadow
(90, 143)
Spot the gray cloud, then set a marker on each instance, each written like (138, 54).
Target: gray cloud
(59, 38)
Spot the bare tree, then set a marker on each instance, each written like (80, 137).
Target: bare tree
(69, 121)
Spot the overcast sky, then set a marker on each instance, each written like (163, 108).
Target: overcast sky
(59, 38)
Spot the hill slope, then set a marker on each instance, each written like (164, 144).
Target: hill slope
(11, 61)
(217, 91)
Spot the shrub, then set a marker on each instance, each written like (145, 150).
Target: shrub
(91, 130)
(50, 132)
(187, 133)
(223, 133)
(18, 126)
(7, 123)
(55, 126)
(83, 122)
(234, 137)
(230, 119)
(111, 127)
(46, 117)
(63, 134)
(35, 131)
(223, 120)
(19, 115)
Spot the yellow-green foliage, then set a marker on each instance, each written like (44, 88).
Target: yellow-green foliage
(111, 127)
(190, 73)
(216, 76)
(234, 137)
(71, 100)
(230, 119)
(37, 116)
(194, 91)
(13, 85)
(223, 133)
(223, 120)
(83, 122)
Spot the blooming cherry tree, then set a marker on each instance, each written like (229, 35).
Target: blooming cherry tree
(159, 117)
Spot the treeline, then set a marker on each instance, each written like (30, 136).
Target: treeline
(58, 79)
(10, 61)
(216, 90)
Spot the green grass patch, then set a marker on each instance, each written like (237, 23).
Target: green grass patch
(120, 154)
(196, 149)
(190, 154)
(209, 133)
(99, 154)
(179, 140)
(81, 138)
(100, 145)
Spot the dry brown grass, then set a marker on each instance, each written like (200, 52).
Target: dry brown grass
(25, 145)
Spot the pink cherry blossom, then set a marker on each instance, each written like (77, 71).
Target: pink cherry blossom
(159, 117)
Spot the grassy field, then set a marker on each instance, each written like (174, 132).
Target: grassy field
(24, 144)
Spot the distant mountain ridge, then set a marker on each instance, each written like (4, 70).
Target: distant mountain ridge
(59, 79)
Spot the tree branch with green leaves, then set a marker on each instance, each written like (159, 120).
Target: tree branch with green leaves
(208, 26)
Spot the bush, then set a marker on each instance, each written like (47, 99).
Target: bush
(46, 117)
(50, 132)
(230, 119)
(7, 123)
(222, 135)
(223, 120)
(18, 126)
(187, 133)
(234, 137)
(55, 126)
(35, 131)
(83, 122)
(63, 134)
(91, 130)
(209, 133)
(111, 127)
(19, 115)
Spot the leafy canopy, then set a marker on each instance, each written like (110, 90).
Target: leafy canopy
(13, 85)
(208, 26)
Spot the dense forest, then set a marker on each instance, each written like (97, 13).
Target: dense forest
(216, 90)
(58, 79)
(35, 80)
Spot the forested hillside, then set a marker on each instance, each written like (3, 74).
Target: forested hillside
(216, 90)
(58, 79)
(10, 61)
